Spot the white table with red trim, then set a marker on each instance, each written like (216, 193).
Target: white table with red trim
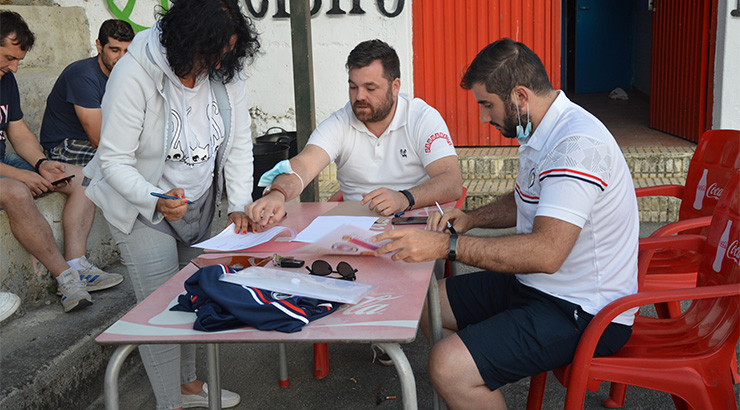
(389, 315)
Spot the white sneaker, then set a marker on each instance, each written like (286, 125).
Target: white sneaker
(228, 399)
(380, 354)
(9, 303)
(95, 278)
(74, 295)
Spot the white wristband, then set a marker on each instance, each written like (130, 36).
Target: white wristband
(300, 179)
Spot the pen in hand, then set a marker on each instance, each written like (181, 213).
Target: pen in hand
(165, 196)
(449, 225)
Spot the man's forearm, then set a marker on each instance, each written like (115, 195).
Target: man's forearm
(499, 254)
(24, 142)
(442, 188)
(544, 250)
(498, 214)
(9, 171)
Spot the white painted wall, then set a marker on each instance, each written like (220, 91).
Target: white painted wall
(270, 77)
(726, 68)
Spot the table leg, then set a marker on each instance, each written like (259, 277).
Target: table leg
(320, 360)
(435, 328)
(439, 268)
(405, 374)
(110, 386)
(435, 313)
(214, 377)
(283, 364)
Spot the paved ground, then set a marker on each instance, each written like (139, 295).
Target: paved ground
(354, 381)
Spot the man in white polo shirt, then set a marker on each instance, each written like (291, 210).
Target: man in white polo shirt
(393, 152)
(575, 250)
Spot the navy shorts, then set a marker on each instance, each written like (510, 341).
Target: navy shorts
(514, 331)
(72, 151)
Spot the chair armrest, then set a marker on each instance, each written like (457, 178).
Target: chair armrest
(337, 197)
(683, 242)
(602, 319)
(587, 345)
(660, 190)
(680, 226)
(461, 202)
(609, 312)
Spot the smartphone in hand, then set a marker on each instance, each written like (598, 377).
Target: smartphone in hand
(63, 180)
(409, 220)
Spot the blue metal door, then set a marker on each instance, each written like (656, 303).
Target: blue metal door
(603, 45)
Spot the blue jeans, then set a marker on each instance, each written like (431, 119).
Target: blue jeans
(15, 160)
(152, 258)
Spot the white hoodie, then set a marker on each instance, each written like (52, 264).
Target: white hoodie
(135, 138)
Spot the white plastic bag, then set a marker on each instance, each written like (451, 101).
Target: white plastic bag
(300, 284)
(618, 94)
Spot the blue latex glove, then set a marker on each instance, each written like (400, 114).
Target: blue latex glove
(282, 167)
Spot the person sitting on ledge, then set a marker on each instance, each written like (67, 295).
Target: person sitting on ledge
(21, 182)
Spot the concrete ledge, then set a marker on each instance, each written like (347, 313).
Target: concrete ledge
(23, 275)
(50, 359)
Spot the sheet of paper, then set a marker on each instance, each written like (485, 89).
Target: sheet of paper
(228, 240)
(325, 224)
(345, 240)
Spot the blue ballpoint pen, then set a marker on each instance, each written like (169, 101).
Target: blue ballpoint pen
(165, 196)
(449, 225)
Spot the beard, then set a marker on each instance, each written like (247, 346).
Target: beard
(374, 113)
(107, 63)
(508, 128)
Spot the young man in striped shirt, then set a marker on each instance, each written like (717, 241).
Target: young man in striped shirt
(575, 250)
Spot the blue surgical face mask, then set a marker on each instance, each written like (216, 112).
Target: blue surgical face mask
(522, 133)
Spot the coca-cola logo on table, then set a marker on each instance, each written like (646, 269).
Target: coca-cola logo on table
(733, 252)
(714, 191)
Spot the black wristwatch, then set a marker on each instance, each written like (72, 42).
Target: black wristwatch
(452, 253)
(410, 197)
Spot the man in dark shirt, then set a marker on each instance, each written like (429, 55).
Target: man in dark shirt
(70, 130)
(21, 182)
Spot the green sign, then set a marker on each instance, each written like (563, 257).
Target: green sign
(125, 14)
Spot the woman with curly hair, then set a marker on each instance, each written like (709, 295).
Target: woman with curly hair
(175, 121)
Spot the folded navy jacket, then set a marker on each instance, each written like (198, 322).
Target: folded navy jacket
(224, 305)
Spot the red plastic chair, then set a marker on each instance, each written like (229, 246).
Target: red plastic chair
(717, 155)
(715, 159)
(686, 355)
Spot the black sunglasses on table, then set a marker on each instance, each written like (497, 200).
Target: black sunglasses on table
(322, 268)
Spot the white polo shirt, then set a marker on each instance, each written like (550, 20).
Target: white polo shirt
(572, 169)
(416, 137)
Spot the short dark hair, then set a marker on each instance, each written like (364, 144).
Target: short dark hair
(504, 64)
(368, 51)
(200, 30)
(12, 23)
(116, 29)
